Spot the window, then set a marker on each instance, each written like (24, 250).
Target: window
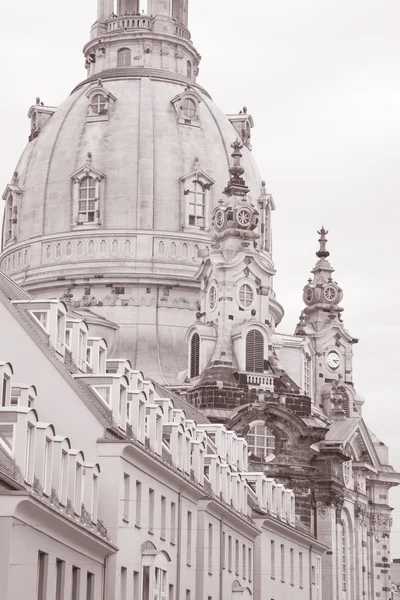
(272, 559)
(318, 582)
(189, 70)
(195, 355)
(189, 107)
(124, 57)
(60, 579)
(244, 557)
(138, 503)
(9, 217)
(237, 557)
(301, 582)
(87, 200)
(343, 557)
(68, 338)
(163, 516)
(95, 497)
(78, 488)
(151, 510)
(196, 204)
(90, 586)
(5, 390)
(282, 563)
(173, 522)
(7, 436)
(261, 441)
(250, 564)
(47, 467)
(76, 579)
(119, 291)
(212, 298)
(246, 295)
(255, 352)
(98, 104)
(291, 566)
(63, 475)
(230, 553)
(127, 489)
(135, 585)
(123, 583)
(104, 392)
(189, 539)
(43, 565)
(160, 584)
(42, 318)
(187, 594)
(307, 375)
(210, 548)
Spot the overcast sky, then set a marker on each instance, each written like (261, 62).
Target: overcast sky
(322, 82)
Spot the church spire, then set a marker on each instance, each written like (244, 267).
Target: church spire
(322, 295)
(142, 34)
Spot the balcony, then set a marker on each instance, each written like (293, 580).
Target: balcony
(265, 382)
(118, 24)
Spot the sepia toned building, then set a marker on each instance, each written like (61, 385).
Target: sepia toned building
(217, 456)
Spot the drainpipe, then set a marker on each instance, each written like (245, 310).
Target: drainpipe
(310, 571)
(105, 568)
(221, 559)
(178, 548)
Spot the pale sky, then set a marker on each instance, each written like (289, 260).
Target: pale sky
(322, 82)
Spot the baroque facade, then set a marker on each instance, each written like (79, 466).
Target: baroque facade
(128, 242)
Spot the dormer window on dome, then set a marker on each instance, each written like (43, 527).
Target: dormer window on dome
(39, 114)
(100, 103)
(187, 105)
(243, 123)
(87, 194)
(11, 197)
(196, 198)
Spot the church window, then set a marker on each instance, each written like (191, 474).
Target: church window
(124, 57)
(255, 352)
(261, 441)
(195, 355)
(212, 299)
(98, 104)
(246, 296)
(189, 70)
(189, 108)
(196, 204)
(87, 200)
(9, 217)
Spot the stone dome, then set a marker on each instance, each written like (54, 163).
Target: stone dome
(112, 199)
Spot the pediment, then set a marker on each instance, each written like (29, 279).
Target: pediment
(87, 171)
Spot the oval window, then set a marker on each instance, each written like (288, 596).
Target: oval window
(212, 297)
(246, 296)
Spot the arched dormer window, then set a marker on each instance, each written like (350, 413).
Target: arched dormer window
(100, 102)
(124, 57)
(255, 352)
(196, 195)
(87, 200)
(9, 217)
(261, 440)
(195, 355)
(187, 104)
(87, 195)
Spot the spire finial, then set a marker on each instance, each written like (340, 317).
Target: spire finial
(323, 252)
(236, 169)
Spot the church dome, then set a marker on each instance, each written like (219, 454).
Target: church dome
(110, 206)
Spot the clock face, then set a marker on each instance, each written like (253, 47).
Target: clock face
(333, 360)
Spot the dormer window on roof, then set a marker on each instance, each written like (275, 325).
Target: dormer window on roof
(187, 105)
(100, 103)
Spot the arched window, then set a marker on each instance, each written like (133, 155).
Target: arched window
(261, 441)
(255, 352)
(189, 70)
(9, 217)
(87, 200)
(189, 107)
(124, 57)
(196, 204)
(195, 355)
(98, 104)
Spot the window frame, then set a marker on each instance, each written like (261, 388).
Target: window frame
(124, 53)
(254, 425)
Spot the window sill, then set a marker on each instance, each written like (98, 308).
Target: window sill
(86, 225)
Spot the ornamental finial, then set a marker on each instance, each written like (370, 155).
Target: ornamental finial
(236, 169)
(323, 252)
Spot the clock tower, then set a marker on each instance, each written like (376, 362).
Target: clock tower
(321, 322)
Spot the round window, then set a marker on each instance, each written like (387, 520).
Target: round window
(212, 297)
(189, 108)
(246, 295)
(330, 293)
(243, 218)
(309, 295)
(219, 219)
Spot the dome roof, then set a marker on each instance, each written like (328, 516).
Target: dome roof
(141, 151)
